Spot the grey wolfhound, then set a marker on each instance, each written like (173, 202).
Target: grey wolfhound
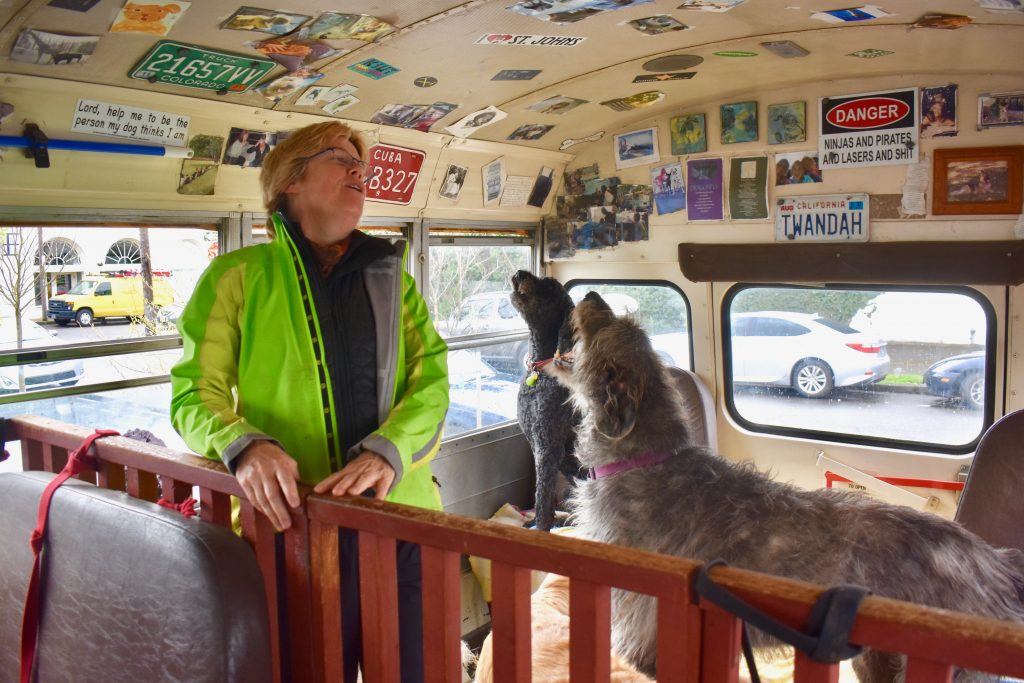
(665, 495)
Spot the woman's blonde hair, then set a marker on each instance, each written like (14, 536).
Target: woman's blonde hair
(287, 161)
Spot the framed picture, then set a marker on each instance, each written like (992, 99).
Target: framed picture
(787, 123)
(636, 148)
(1003, 109)
(689, 134)
(978, 180)
(739, 122)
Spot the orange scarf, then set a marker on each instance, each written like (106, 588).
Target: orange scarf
(328, 255)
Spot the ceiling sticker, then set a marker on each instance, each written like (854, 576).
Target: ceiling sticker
(134, 123)
(43, 47)
(528, 40)
(398, 114)
(673, 63)
(76, 5)
(870, 53)
(863, 13)
(338, 26)
(374, 68)
(529, 131)
(735, 53)
(656, 25)
(786, 49)
(337, 92)
(654, 78)
(556, 105)
(340, 104)
(152, 19)
(265, 20)
(293, 51)
(425, 82)
(433, 114)
(515, 74)
(638, 101)
(709, 6)
(945, 21)
(289, 84)
(1001, 5)
(312, 95)
(470, 123)
(569, 142)
(569, 11)
(191, 66)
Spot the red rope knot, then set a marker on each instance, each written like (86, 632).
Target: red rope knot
(35, 541)
(186, 507)
(81, 459)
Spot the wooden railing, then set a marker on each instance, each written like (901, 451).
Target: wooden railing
(696, 643)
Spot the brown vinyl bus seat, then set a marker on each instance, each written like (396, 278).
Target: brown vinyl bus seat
(699, 405)
(130, 591)
(992, 505)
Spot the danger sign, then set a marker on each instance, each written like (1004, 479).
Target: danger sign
(870, 129)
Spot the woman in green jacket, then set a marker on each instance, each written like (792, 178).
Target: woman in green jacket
(312, 358)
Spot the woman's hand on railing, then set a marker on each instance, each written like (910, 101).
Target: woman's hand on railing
(267, 475)
(366, 471)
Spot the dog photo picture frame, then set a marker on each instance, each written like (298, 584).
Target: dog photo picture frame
(978, 180)
(636, 148)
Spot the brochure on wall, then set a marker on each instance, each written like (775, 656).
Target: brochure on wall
(704, 183)
(748, 188)
(516, 191)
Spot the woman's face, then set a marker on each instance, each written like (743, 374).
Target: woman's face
(328, 199)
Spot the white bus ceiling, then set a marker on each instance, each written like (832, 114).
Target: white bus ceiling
(448, 41)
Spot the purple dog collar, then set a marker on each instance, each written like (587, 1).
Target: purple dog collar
(642, 460)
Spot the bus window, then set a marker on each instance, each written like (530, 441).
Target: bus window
(894, 365)
(467, 292)
(660, 308)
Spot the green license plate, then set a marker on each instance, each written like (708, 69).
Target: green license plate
(190, 66)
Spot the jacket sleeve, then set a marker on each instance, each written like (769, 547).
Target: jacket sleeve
(205, 380)
(411, 434)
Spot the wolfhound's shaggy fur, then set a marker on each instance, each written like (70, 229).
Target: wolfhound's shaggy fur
(698, 505)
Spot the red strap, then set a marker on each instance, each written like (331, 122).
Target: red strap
(78, 462)
(186, 507)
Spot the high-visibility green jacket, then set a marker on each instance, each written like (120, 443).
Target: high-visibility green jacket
(252, 368)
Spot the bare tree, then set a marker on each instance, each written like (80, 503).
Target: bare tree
(457, 273)
(18, 272)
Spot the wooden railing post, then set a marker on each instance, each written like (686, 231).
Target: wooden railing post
(590, 619)
(442, 598)
(378, 607)
(510, 623)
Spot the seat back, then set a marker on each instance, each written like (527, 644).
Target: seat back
(130, 591)
(991, 505)
(699, 405)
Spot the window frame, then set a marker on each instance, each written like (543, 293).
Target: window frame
(991, 350)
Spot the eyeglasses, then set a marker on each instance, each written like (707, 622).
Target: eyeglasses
(342, 157)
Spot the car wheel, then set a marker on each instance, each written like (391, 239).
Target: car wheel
(972, 390)
(84, 317)
(813, 379)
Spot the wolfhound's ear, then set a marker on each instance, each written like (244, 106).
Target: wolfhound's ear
(621, 404)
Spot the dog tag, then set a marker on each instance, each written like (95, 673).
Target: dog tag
(532, 379)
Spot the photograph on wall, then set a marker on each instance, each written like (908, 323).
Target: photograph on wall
(570, 11)
(739, 122)
(288, 84)
(704, 190)
(636, 148)
(312, 95)
(431, 115)
(294, 51)
(476, 120)
(599, 229)
(43, 47)
(669, 189)
(787, 123)
(454, 177)
(634, 197)
(656, 25)
(748, 188)
(247, 148)
(574, 207)
(493, 180)
(338, 26)
(206, 147)
(398, 114)
(529, 131)
(632, 225)
(556, 105)
(977, 181)
(153, 20)
(558, 238)
(197, 177)
(710, 5)
(541, 187)
(796, 168)
(1003, 109)
(689, 134)
(340, 104)
(601, 190)
(938, 111)
(264, 20)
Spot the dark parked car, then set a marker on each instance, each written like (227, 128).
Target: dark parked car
(959, 377)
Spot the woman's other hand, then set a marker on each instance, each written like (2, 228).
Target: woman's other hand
(268, 475)
(368, 470)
